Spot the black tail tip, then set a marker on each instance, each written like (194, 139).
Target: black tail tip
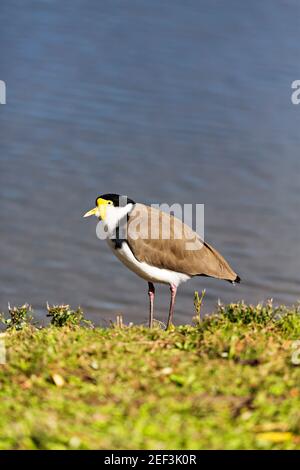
(237, 279)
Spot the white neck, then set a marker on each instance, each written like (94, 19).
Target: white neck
(113, 216)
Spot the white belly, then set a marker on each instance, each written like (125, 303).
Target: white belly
(144, 270)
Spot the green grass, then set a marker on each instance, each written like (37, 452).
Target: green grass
(230, 382)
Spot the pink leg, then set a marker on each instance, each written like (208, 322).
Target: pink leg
(151, 293)
(173, 290)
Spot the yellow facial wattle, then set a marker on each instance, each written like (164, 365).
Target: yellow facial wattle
(100, 210)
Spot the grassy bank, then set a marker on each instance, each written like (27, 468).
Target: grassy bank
(232, 382)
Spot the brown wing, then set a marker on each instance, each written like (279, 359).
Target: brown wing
(162, 240)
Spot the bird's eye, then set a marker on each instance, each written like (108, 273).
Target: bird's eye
(110, 203)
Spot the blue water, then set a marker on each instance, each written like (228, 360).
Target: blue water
(166, 101)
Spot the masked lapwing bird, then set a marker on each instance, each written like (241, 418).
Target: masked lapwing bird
(157, 246)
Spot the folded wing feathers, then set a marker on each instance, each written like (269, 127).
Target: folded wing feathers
(171, 252)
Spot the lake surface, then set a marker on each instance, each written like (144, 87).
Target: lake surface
(166, 101)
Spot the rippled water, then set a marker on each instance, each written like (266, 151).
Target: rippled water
(166, 102)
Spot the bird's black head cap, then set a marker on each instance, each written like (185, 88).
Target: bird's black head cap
(116, 199)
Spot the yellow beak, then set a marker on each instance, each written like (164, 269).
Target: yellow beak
(92, 212)
(100, 210)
